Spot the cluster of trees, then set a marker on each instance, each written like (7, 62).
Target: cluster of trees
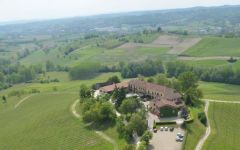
(146, 68)
(224, 74)
(84, 71)
(129, 106)
(97, 111)
(13, 73)
(50, 66)
(136, 124)
(17, 74)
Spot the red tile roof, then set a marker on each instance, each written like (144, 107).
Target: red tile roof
(168, 93)
(111, 88)
(158, 103)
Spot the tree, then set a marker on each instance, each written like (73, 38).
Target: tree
(150, 80)
(129, 106)
(162, 80)
(188, 80)
(50, 66)
(119, 95)
(2, 78)
(147, 136)
(189, 87)
(85, 92)
(4, 99)
(142, 146)
(113, 79)
(203, 118)
(137, 124)
(159, 29)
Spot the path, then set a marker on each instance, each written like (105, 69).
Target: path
(22, 100)
(220, 101)
(207, 58)
(208, 130)
(100, 133)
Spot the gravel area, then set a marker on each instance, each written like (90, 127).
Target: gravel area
(165, 140)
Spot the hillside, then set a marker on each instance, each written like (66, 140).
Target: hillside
(215, 46)
(196, 20)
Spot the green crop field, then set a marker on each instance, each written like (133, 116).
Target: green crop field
(220, 91)
(215, 46)
(225, 128)
(44, 121)
(94, 54)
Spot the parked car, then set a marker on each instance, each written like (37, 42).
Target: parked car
(180, 135)
(171, 129)
(161, 129)
(166, 128)
(178, 139)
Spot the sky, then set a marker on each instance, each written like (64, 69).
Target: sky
(12, 10)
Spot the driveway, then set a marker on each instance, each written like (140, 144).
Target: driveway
(165, 140)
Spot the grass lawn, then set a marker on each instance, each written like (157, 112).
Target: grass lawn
(195, 130)
(220, 91)
(215, 46)
(224, 120)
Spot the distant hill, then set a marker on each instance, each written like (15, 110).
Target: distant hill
(197, 20)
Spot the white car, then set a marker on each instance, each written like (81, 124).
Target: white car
(166, 128)
(161, 129)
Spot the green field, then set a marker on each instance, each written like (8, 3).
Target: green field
(224, 120)
(220, 91)
(44, 121)
(215, 46)
(94, 54)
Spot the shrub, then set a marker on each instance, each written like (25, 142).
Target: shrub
(202, 118)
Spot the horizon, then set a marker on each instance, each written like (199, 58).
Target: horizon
(26, 11)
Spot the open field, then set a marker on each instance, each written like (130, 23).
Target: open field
(220, 91)
(215, 46)
(225, 129)
(175, 44)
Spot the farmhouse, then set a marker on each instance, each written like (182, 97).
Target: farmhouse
(164, 101)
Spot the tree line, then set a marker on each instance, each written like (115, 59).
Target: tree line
(224, 74)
